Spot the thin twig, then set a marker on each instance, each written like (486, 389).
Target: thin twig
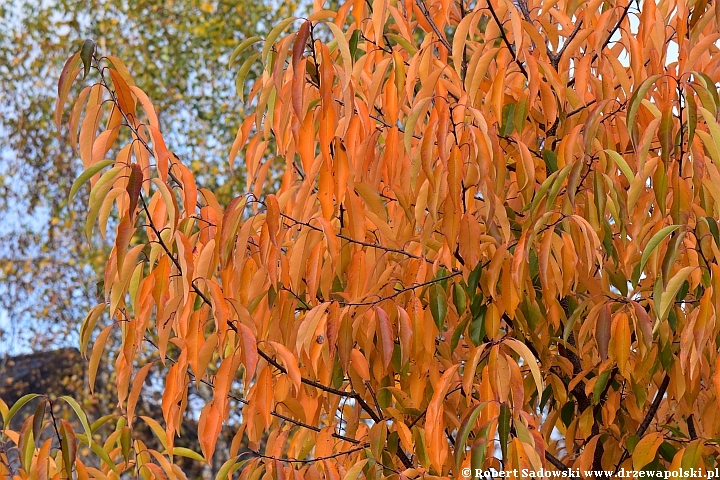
(310, 460)
(648, 417)
(426, 14)
(505, 39)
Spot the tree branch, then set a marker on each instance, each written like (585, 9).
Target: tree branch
(311, 460)
(426, 14)
(557, 463)
(505, 39)
(648, 417)
(353, 394)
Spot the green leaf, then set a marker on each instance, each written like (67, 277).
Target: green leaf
(711, 88)
(86, 53)
(81, 416)
(465, 428)
(671, 254)
(459, 298)
(550, 159)
(68, 446)
(477, 326)
(420, 449)
(455, 339)
(100, 453)
(556, 185)
(100, 422)
(242, 74)
(667, 451)
(504, 428)
(438, 306)
(654, 242)
(636, 100)
(621, 163)
(573, 319)
(187, 453)
(665, 134)
(599, 386)
(508, 117)
(567, 413)
(691, 455)
(354, 39)
(473, 280)
(38, 417)
(17, 406)
(477, 451)
(692, 116)
(666, 300)
(241, 48)
(273, 35)
(403, 42)
(631, 443)
(87, 175)
(228, 468)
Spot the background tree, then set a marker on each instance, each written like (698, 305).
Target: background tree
(179, 52)
(494, 244)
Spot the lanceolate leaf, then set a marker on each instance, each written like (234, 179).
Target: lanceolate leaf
(80, 413)
(438, 305)
(87, 175)
(504, 428)
(86, 54)
(635, 101)
(273, 35)
(654, 242)
(244, 45)
(663, 303)
(16, 407)
(466, 427)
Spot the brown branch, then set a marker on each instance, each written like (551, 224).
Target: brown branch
(304, 380)
(555, 57)
(352, 394)
(359, 242)
(691, 428)
(312, 427)
(614, 29)
(310, 460)
(380, 120)
(556, 461)
(648, 417)
(654, 406)
(374, 397)
(609, 37)
(505, 39)
(169, 253)
(401, 291)
(274, 413)
(129, 124)
(426, 14)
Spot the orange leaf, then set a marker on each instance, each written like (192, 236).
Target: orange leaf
(290, 362)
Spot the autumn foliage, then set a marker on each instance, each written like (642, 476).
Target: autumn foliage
(494, 243)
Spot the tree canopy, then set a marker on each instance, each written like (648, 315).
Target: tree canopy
(494, 243)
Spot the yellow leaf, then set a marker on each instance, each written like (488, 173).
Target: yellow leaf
(646, 449)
